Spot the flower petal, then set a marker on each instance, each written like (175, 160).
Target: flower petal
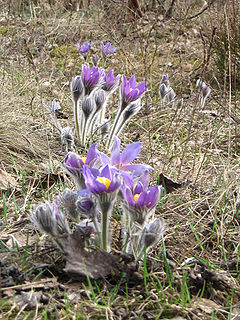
(92, 153)
(131, 152)
(115, 156)
(137, 169)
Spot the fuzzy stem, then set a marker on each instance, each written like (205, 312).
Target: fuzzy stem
(113, 129)
(76, 117)
(104, 230)
(84, 130)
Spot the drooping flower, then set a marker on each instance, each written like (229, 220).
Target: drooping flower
(74, 164)
(151, 234)
(110, 82)
(107, 49)
(130, 91)
(85, 47)
(91, 78)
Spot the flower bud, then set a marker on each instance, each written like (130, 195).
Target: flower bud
(88, 106)
(100, 97)
(151, 234)
(162, 90)
(77, 88)
(44, 218)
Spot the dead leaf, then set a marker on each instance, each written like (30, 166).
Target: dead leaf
(6, 180)
(207, 305)
(169, 184)
(94, 262)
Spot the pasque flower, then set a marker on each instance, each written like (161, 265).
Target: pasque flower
(150, 235)
(141, 205)
(122, 160)
(104, 184)
(204, 91)
(107, 48)
(106, 180)
(111, 82)
(85, 47)
(91, 78)
(74, 164)
(130, 91)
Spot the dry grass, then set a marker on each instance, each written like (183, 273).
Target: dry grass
(196, 273)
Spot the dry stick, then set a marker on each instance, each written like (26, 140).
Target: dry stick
(230, 85)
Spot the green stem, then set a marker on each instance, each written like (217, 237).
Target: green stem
(104, 230)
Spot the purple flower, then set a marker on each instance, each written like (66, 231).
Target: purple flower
(91, 78)
(141, 205)
(85, 47)
(129, 91)
(164, 78)
(74, 164)
(121, 160)
(106, 180)
(86, 205)
(110, 82)
(107, 49)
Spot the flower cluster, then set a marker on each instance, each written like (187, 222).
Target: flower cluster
(101, 181)
(90, 94)
(168, 95)
(90, 91)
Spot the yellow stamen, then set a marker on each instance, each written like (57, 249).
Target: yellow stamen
(131, 89)
(136, 196)
(83, 159)
(105, 181)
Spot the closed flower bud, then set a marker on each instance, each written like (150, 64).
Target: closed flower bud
(67, 201)
(88, 106)
(100, 97)
(131, 110)
(44, 218)
(162, 90)
(77, 88)
(66, 136)
(151, 234)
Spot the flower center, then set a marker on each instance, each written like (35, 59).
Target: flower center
(83, 159)
(136, 196)
(105, 181)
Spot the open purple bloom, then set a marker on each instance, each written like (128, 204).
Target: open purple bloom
(107, 49)
(91, 78)
(85, 47)
(106, 180)
(130, 91)
(141, 205)
(74, 164)
(121, 160)
(110, 82)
